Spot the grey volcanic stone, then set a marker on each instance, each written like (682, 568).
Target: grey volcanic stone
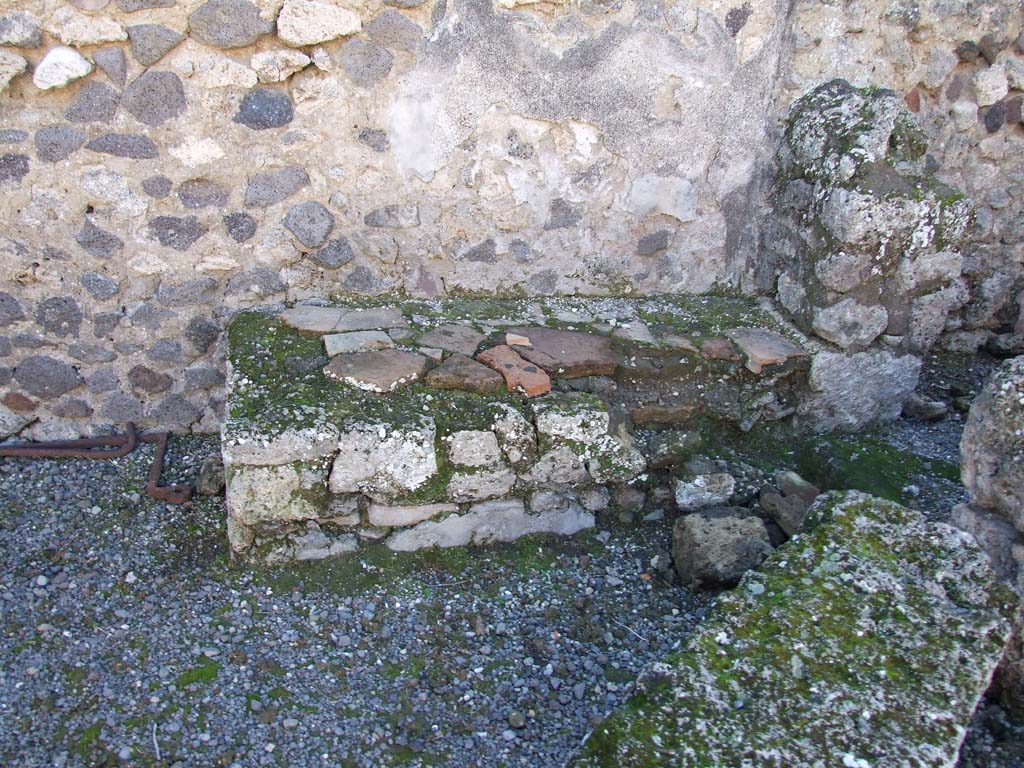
(150, 42)
(6, 349)
(131, 6)
(259, 282)
(393, 217)
(404, 3)
(484, 251)
(20, 30)
(563, 214)
(148, 380)
(653, 243)
(310, 222)
(10, 310)
(375, 138)
(202, 333)
(366, 64)
(94, 103)
(13, 167)
(393, 29)
(195, 291)
(103, 380)
(57, 142)
(264, 108)
(177, 232)
(165, 351)
(12, 136)
(272, 187)
(227, 23)
(711, 551)
(336, 253)
(175, 412)
(104, 323)
(91, 353)
(203, 377)
(72, 408)
(111, 60)
(99, 286)
(45, 377)
(157, 187)
(121, 408)
(59, 315)
(130, 145)
(155, 97)
(202, 193)
(241, 226)
(98, 242)
(150, 316)
(364, 280)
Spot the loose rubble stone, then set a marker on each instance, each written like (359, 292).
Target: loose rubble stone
(46, 377)
(310, 222)
(130, 145)
(155, 97)
(211, 476)
(21, 30)
(202, 193)
(704, 490)
(762, 347)
(271, 187)
(98, 242)
(58, 142)
(94, 103)
(307, 22)
(59, 315)
(264, 108)
(727, 690)
(356, 341)
(517, 372)
(336, 253)
(377, 371)
(277, 66)
(461, 339)
(151, 42)
(227, 23)
(74, 28)
(11, 65)
(111, 60)
(568, 354)
(177, 232)
(59, 67)
(717, 551)
(917, 407)
(241, 226)
(460, 372)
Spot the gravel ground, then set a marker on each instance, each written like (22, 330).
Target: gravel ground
(129, 639)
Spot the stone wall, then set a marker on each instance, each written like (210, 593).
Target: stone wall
(165, 162)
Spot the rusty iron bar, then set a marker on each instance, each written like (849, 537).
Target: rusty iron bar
(111, 447)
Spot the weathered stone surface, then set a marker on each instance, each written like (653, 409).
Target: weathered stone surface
(704, 490)
(377, 371)
(99, 286)
(849, 324)
(57, 142)
(366, 64)
(489, 521)
(268, 188)
(478, 486)
(568, 354)
(111, 60)
(147, 380)
(177, 232)
(278, 65)
(259, 282)
(356, 341)
(762, 347)
(559, 467)
(130, 145)
(473, 448)
(310, 222)
(853, 606)
(992, 444)
(384, 463)
(12, 423)
(155, 97)
(385, 516)
(241, 226)
(335, 253)
(13, 167)
(393, 29)
(202, 193)
(98, 242)
(300, 443)
(74, 28)
(263, 108)
(46, 377)
(157, 187)
(11, 65)
(713, 551)
(393, 217)
(21, 30)
(654, 242)
(59, 315)
(227, 23)
(308, 22)
(460, 372)
(151, 42)
(313, 319)
(517, 372)
(460, 339)
(271, 494)
(10, 309)
(94, 103)
(59, 67)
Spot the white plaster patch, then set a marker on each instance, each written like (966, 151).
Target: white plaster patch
(671, 195)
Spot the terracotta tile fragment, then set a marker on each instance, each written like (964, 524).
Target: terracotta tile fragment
(518, 373)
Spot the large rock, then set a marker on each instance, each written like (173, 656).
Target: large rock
(228, 23)
(308, 22)
(992, 444)
(897, 623)
(713, 551)
(384, 463)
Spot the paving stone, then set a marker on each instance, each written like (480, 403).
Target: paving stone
(263, 108)
(312, 319)
(13, 167)
(20, 30)
(310, 222)
(762, 347)
(227, 24)
(453, 338)
(568, 354)
(148, 380)
(151, 42)
(46, 377)
(378, 371)
(157, 187)
(98, 242)
(178, 232)
(111, 60)
(307, 22)
(155, 97)
(394, 217)
(517, 372)
(366, 64)
(356, 341)
(386, 516)
(99, 286)
(202, 193)
(59, 67)
(57, 142)
(335, 253)
(271, 187)
(94, 103)
(393, 29)
(460, 372)
(130, 145)
(241, 226)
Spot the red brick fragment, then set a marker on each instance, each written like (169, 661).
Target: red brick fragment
(518, 373)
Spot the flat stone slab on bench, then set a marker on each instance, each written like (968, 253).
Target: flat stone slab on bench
(567, 354)
(383, 370)
(866, 641)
